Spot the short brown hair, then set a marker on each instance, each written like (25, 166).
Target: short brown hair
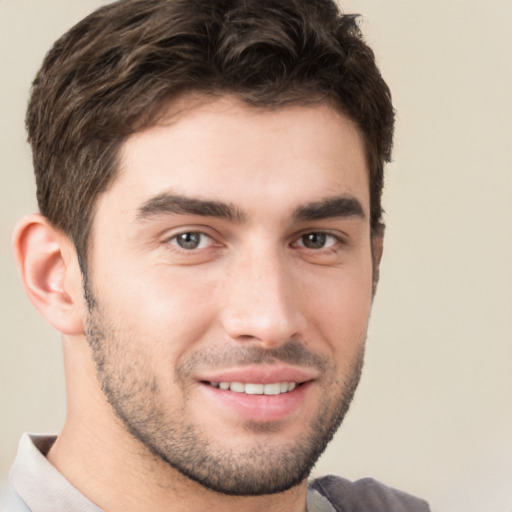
(112, 74)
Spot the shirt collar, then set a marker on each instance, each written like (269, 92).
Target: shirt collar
(44, 489)
(39, 483)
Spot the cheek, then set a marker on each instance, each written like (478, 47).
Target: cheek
(339, 309)
(165, 311)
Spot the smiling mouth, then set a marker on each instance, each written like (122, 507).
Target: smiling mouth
(275, 388)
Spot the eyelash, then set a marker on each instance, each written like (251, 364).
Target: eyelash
(325, 235)
(200, 237)
(198, 234)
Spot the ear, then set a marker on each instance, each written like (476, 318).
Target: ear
(377, 250)
(48, 267)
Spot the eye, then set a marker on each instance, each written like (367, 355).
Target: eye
(191, 240)
(317, 241)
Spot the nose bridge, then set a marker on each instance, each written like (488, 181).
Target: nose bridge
(261, 302)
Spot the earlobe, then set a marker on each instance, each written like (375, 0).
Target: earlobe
(50, 273)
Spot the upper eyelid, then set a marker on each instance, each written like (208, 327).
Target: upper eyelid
(188, 232)
(339, 235)
(180, 230)
(173, 240)
(170, 236)
(217, 236)
(337, 238)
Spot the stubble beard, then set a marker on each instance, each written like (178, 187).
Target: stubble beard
(134, 394)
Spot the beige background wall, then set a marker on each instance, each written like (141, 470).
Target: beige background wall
(433, 414)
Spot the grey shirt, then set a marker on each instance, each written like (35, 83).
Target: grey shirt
(35, 485)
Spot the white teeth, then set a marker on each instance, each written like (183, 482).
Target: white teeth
(272, 389)
(254, 389)
(276, 388)
(237, 387)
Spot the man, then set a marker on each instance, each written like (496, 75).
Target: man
(209, 178)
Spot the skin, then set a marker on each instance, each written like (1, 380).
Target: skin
(162, 318)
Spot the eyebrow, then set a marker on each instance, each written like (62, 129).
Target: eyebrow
(175, 204)
(168, 204)
(331, 207)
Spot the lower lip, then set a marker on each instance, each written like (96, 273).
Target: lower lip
(260, 408)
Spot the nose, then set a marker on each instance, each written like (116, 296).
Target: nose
(262, 300)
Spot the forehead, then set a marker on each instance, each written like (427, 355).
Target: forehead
(253, 157)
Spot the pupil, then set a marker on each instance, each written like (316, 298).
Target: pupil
(188, 240)
(314, 240)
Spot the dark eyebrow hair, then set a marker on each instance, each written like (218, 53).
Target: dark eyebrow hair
(342, 206)
(164, 204)
(168, 203)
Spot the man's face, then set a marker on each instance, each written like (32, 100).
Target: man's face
(231, 285)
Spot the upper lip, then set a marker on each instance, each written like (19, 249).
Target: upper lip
(260, 374)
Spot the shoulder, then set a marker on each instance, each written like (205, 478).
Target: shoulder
(366, 494)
